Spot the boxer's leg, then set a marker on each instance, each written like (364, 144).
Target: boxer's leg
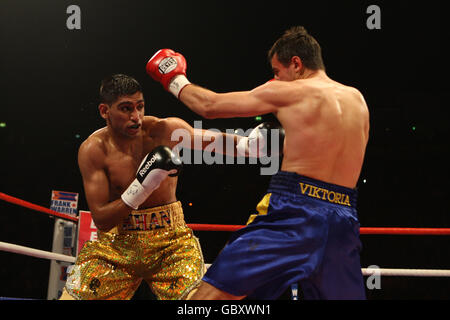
(103, 271)
(207, 291)
(66, 296)
(180, 265)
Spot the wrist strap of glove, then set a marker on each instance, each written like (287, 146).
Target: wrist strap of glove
(177, 84)
(134, 195)
(242, 147)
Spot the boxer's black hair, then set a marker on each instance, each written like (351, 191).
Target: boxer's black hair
(296, 41)
(115, 86)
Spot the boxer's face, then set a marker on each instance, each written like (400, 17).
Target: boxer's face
(283, 73)
(126, 114)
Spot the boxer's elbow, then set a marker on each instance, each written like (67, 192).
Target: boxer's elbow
(103, 221)
(209, 113)
(102, 224)
(104, 227)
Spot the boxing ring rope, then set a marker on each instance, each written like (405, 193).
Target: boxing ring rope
(362, 230)
(231, 228)
(220, 227)
(14, 248)
(35, 207)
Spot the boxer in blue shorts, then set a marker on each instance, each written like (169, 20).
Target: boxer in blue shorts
(306, 231)
(307, 227)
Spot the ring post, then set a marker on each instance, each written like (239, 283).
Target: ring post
(64, 234)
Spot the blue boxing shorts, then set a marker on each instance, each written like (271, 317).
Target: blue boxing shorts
(307, 232)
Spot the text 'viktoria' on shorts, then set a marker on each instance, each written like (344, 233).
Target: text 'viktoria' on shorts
(295, 184)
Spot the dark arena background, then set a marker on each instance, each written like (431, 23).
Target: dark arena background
(51, 68)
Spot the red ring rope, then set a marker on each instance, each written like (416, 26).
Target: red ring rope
(362, 230)
(35, 207)
(223, 227)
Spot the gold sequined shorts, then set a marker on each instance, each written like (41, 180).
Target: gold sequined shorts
(152, 244)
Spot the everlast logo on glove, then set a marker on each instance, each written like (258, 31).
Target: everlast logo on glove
(166, 65)
(147, 166)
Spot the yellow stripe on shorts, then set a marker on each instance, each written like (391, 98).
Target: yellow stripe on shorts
(261, 207)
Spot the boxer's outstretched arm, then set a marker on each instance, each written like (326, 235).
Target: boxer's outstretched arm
(169, 68)
(210, 105)
(185, 136)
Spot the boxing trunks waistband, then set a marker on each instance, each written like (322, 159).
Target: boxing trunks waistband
(291, 183)
(156, 218)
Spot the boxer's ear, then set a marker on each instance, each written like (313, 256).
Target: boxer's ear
(103, 108)
(298, 64)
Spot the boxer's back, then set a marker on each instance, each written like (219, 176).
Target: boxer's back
(326, 131)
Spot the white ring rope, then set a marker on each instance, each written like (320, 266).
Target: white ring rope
(405, 272)
(365, 271)
(398, 272)
(14, 248)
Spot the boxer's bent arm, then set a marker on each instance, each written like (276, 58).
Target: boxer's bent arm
(264, 99)
(105, 214)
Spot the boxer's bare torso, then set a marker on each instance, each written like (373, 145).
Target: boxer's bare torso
(326, 123)
(119, 162)
(109, 158)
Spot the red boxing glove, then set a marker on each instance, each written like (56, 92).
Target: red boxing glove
(169, 68)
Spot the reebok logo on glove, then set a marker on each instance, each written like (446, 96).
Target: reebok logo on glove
(153, 170)
(167, 65)
(147, 166)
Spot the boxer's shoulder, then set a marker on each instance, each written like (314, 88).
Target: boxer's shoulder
(94, 146)
(95, 140)
(152, 125)
(163, 126)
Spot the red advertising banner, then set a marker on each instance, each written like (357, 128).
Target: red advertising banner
(87, 231)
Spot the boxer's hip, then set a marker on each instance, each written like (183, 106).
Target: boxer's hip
(289, 192)
(291, 183)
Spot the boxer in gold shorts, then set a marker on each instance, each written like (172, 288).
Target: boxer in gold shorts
(130, 176)
(153, 244)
